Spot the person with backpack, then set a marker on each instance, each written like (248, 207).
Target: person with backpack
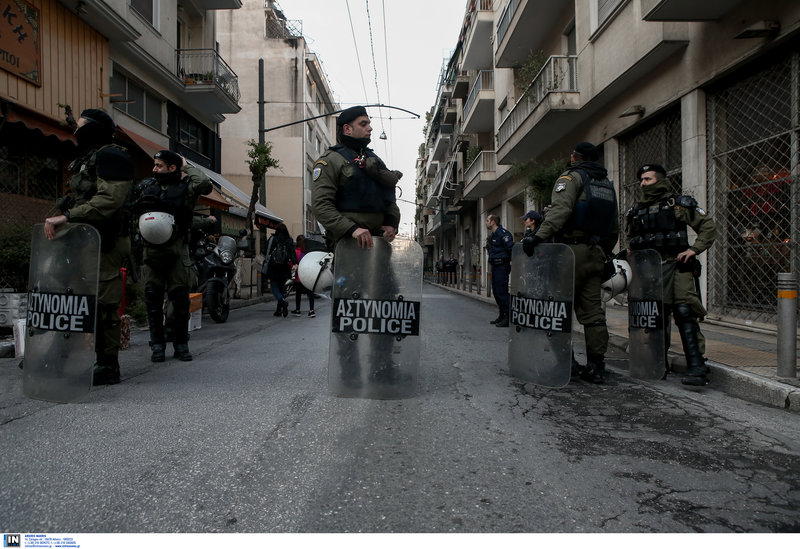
(99, 186)
(584, 216)
(280, 258)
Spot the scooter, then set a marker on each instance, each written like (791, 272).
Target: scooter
(215, 270)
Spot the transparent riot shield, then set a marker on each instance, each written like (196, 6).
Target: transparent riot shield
(62, 310)
(646, 316)
(540, 345)
(375, 344)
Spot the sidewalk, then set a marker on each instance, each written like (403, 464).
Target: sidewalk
(743, 362)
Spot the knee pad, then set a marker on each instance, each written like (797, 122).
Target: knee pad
(153, 295)
(683, 313)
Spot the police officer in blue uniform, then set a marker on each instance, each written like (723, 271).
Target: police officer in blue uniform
(500, 247)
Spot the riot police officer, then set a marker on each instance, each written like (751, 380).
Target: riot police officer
(353, 194)
(660, 222)
(163, 215)
(583, 215)
(500, 245)
(99, 187)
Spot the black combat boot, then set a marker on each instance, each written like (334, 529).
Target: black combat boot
(498, 319)
(576, 368)
(180, 304)
(155, 321)
(106, 371)
(595, 369)
(503, 322)
(696, 369)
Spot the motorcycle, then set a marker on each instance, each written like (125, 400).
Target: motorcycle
(215, 270)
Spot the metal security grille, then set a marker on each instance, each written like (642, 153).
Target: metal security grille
(29, 187)
(753, 156)
(656, 143)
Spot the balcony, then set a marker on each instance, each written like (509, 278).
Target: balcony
(477, 53)
(686, 10)
(433, 167)
(481, 176)
(479, 107)
(104, 19)
(442, 144)
(461, 85)
(554, 90)
(218, 4)
(523, 27)
(434, 225)
(209, 83)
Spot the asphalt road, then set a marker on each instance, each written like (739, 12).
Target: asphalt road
(246, 438)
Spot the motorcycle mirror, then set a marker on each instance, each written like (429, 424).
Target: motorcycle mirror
(242, 232)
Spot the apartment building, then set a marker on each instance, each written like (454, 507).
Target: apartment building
(153, 65)
(297, 99)
(707, 89)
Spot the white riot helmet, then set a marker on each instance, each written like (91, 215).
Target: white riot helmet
(619, 281)
(316, 271)
(156, 227)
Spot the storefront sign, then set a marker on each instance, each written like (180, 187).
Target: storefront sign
(20, 40)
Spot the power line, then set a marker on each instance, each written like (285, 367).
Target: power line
(374, 64)
(355, 45)
(388, 84)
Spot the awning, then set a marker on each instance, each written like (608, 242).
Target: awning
(214, 200)
(149, 147)
(239, 197)
(48, 127)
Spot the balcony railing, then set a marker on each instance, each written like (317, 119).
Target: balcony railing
(283, 28)
(559, 74)
(486, 161)
(505, 19)
(485, 81)
(205, 66)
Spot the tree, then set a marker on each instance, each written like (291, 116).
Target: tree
(260, 155)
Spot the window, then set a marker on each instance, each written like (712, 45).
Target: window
(147, 9)
(131, 98)
(190, 134)
(605, 8)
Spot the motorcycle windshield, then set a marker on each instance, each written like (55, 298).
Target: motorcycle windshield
(227, 244)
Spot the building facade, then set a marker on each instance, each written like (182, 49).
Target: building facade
(707, 89)
(153, 65)
(297, 100)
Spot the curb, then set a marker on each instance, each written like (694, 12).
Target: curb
(731, 381)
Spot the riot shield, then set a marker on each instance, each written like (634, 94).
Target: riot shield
(62, 310)
(375, 344)
(540, 344)
(646, 316)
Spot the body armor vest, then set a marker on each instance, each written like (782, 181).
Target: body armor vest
(361, 193)
(595, 215)
(170, 199)
(656, 226)
(83, 186)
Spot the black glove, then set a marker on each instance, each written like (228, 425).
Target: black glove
(622, 254)
(529, 243)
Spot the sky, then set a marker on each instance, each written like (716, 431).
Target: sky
(419, 35)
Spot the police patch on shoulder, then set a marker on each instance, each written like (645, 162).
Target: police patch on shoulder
(560, 187)
(701, 211)
(316, 172)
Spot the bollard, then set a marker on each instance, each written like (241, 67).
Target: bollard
(787, 325)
